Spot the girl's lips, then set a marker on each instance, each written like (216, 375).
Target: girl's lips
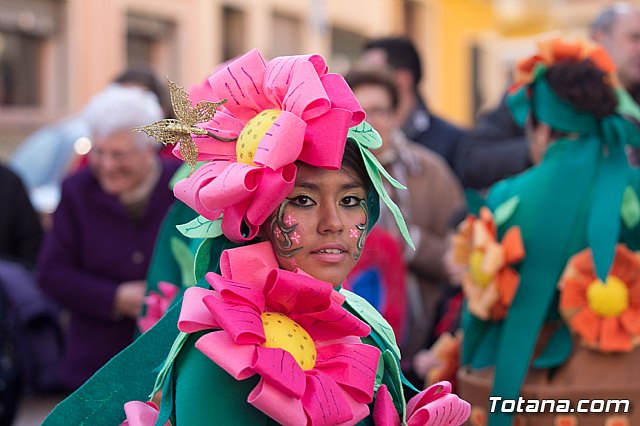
(333, 253)
(330, 257)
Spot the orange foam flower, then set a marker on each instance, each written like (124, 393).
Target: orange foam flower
(605, 315)
(556, 50)
(489, 282)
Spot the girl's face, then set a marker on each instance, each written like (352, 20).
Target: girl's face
(322, 224)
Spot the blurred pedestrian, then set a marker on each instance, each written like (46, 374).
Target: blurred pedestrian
(95, 259)
(53, 152)
(418, 122)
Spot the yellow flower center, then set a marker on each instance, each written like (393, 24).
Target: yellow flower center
(253, 133)
(284, 333)
(479, 277)
(609, 300)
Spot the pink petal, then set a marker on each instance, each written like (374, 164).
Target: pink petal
(324, 402)
(437, 406)
(234, 184)
(282, 143)
(241, 322)
(358, 410)
(290, 292)
(237, 292)
(233, 358)
(194, 314)
(332, 323)
(274, 187)
(224, 125)
(325, 138)
(235, 227)
(154, 304)
(306, 96)
(201, 92)
(248, 264)
(168, 290)
(241, 83)
(145, 323)
(384, 412)
(284, 409)
(280, 73)
(141, 414)
(280, 369)
(352, 366)
(342, 97)
(188, 190)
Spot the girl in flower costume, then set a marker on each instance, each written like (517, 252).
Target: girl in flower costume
(553, 297)
(286, 194)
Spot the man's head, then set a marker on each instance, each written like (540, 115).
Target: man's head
(378, 96)
(617, 29)
(398, 56)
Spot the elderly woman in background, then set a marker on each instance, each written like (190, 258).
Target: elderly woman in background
(95, 259)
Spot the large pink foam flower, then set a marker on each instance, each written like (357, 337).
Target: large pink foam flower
(286, 110)
(291, 330)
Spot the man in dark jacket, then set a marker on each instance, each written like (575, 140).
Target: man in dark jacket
(419, 124)
(497, 147)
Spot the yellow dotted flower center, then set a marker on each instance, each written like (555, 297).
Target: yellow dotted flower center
(284, 333)
(610, 300)
(252, 134)
(479, 277)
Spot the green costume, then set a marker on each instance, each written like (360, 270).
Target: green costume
(571, 201)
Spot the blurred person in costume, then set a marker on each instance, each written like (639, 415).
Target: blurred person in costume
(497, 148)
(432, 198)
(94, 260)
(287, 195)
(400, 56)
(551, 279)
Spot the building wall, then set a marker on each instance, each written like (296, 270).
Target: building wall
(467, 46)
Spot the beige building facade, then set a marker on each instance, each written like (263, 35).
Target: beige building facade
(54, 54)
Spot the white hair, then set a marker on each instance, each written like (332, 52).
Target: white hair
(118, 108)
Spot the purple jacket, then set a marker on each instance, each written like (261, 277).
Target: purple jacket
(93, 247)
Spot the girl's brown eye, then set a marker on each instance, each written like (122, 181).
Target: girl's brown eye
(302, 201)
(351, 201)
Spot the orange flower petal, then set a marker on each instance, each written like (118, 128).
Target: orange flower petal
(602, 60)
(617, 421)
(573, 294)
(634, 294)
(565, 420)
(563, 50)
(583, 262)
(487, 219)
(613, 337)
(630, 320)
(513, 246)
(587, 325)
(507, 281)
(625, 264)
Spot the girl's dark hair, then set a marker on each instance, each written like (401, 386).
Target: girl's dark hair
(352, 159)
(584, 86)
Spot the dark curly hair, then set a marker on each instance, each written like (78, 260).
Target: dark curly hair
(584, 86)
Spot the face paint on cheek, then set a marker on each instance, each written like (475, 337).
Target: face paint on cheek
(362, 229)
(284, 232)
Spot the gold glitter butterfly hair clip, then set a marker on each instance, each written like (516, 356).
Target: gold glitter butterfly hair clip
(173, 131)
